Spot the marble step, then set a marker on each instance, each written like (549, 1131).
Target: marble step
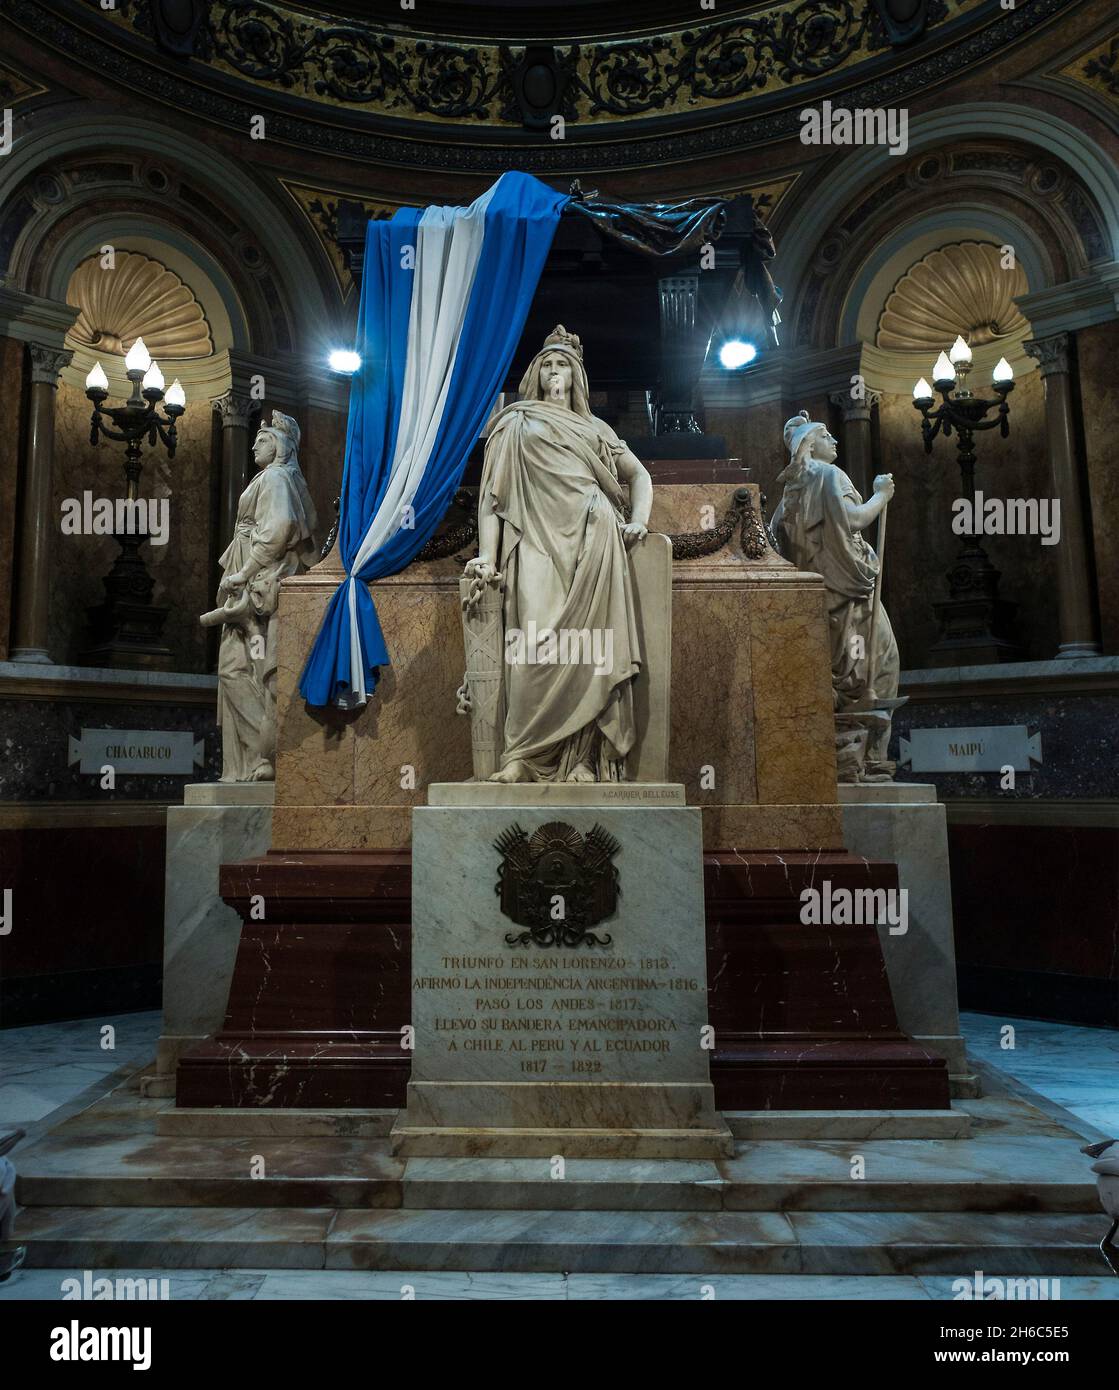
(1006, 1244)
(213, 1123)
(999, 1173)
(772, 1176)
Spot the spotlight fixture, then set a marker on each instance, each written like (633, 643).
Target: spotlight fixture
(735, 353)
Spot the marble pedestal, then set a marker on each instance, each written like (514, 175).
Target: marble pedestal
(903, 822)
(218, 823)
(594, 1049)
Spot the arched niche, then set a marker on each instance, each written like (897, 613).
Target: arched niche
(80, 179)
(1005, 193)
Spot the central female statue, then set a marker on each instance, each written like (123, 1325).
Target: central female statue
(551, 526)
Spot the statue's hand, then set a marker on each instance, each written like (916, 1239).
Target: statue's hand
(633, 531)
(480, 568)
(884, 484)
(231, 583)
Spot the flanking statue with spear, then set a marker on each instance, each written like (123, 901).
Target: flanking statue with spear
(818, 525)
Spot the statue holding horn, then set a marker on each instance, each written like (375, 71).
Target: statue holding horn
(819, 524)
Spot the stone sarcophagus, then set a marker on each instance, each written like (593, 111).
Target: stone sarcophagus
(749, 705)
(321, 1000)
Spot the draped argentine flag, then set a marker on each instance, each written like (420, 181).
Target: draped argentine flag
(444, 297)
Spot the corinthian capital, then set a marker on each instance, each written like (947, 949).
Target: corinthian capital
(855, 407)
(47, 363)
(233, 409)
(1051, 354)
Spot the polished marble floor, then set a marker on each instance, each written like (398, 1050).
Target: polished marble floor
(49, 1072)
(1076, 1068)
(46, 1067)
(394, 1286)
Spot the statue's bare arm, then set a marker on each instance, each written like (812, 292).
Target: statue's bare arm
(484, 566)
(632, 471)
(863, 513)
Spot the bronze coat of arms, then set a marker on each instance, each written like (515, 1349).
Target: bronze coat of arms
(557, 883)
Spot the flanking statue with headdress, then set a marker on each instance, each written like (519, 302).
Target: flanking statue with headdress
(273, 537)
(552, 574)
(818, 525)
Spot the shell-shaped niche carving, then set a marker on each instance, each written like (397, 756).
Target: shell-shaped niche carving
(961, 288)
(138, 297)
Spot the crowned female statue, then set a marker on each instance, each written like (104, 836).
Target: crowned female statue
(552, 530)
(273, 537)
(818, 525)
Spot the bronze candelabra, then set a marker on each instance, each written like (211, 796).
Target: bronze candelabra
(127, 628)
(974, 621)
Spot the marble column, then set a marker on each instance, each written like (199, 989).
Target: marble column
(235, 411)
(37, 522)
(1079, 637)
(856, 458)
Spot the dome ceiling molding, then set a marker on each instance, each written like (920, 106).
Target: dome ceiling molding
(710, 62)
(728, 91)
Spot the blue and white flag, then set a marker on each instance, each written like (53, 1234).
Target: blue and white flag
(444, 297)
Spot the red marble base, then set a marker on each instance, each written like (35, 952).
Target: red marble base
(321, 986)
(803, 1015)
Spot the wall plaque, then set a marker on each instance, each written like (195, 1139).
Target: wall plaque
(987, 749)
(143, 751)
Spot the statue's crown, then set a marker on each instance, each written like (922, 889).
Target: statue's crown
(560, 337)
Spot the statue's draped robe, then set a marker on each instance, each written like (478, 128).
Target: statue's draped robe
(275, 526)
(552, 475)
(814, 531)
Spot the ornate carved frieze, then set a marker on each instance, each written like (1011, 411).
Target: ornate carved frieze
(282, 60)
(368, 65)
